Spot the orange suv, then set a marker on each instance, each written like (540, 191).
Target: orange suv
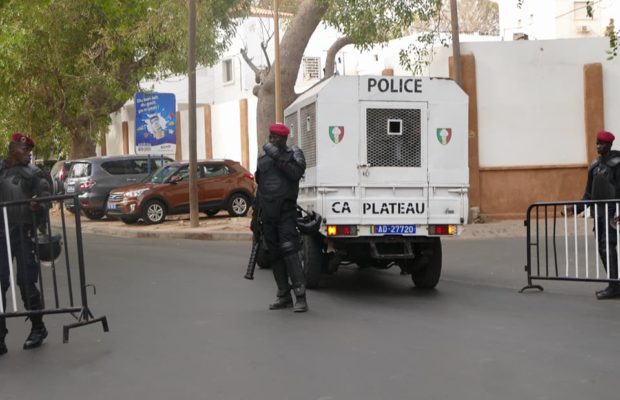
(222, 184)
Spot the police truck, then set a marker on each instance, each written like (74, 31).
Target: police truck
(387, 169)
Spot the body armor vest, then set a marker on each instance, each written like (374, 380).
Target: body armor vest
(274, 187)
(19, 183)
(604, 178)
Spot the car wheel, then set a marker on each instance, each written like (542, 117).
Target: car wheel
(129, 220)
(238, 205)
(425, 275)
(154, 212)
(94, 214)
(211, 213)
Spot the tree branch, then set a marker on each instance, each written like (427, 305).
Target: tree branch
(331, 55)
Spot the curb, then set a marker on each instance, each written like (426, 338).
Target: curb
(237, 229)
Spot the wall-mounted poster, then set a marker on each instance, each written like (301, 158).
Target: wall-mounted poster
(155, 123)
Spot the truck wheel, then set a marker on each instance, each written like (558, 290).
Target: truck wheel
(426, 276)
(312, 258)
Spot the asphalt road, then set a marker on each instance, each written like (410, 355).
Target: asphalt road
(184, 324)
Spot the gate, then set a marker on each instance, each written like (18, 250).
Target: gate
(563, 241)
(56, 249)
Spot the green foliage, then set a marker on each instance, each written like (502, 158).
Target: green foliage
(613, 35)
(481, 16)
(65, 65)
(371, 21)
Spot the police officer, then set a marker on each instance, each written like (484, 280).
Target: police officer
(279, 170)
(604, 184)
(19, 180)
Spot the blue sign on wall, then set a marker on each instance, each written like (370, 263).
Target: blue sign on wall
(155, 123)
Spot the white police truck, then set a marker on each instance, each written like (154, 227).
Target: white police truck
(387, 168)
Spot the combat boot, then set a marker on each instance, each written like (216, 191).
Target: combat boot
(301, 305)
(610, 292)
(3, 349)
(285, 301)
(38, 333)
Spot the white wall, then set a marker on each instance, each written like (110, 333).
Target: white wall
(530, 99)
(555, 19)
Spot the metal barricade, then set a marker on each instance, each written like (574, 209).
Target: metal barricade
(56, 248)
(563, 241)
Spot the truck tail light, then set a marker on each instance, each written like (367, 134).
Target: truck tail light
(341, 230)
(442, 229)
(248, 175)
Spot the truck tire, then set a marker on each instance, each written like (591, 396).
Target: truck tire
(312, 258)
(427, 275)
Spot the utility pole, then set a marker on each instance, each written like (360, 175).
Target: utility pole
(276, 63)
(193, 164)
(456, 47)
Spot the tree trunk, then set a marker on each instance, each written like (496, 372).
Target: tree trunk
(331, 55)
(82, 147)
(292, 48)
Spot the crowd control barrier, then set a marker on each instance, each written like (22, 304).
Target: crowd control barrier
(563, 240)
(56, 249)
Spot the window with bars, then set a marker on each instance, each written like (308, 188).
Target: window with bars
(393, 137)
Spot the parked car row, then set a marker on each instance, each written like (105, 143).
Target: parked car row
(133, 187)
(221, 185)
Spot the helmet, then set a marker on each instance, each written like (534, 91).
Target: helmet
(309, 223)
(49, 247)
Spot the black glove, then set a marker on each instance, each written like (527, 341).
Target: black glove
(272, 150)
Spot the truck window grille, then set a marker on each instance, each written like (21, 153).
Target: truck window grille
(291, 121)
(396, 150)
(307, 133)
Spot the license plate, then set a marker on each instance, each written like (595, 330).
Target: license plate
(392, 229)
(70, 188)
(111, 206)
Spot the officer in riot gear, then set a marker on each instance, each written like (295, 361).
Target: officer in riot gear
(279, 170)
(19, 180)
(604, 184)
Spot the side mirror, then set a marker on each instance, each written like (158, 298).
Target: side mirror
(174, 179)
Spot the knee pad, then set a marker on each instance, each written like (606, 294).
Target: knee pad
(289, 247)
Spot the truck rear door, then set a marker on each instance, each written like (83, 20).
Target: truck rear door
(393, 168)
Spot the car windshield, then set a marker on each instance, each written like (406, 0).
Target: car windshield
(163, 174)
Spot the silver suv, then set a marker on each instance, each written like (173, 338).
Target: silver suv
(94, 177)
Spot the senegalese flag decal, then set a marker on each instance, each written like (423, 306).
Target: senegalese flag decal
(336, 133)
(444, 135)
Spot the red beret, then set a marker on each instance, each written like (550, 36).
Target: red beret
(279, 129)
(604, 136)
(20, 138)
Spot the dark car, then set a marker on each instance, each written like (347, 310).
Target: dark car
(59, 172)
(94, 177)
(222, 185)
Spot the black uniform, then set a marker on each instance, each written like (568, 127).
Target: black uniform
(604, 184)
(278, 183)
(21, 183)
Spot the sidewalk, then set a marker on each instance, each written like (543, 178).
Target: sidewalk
(222, 227)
